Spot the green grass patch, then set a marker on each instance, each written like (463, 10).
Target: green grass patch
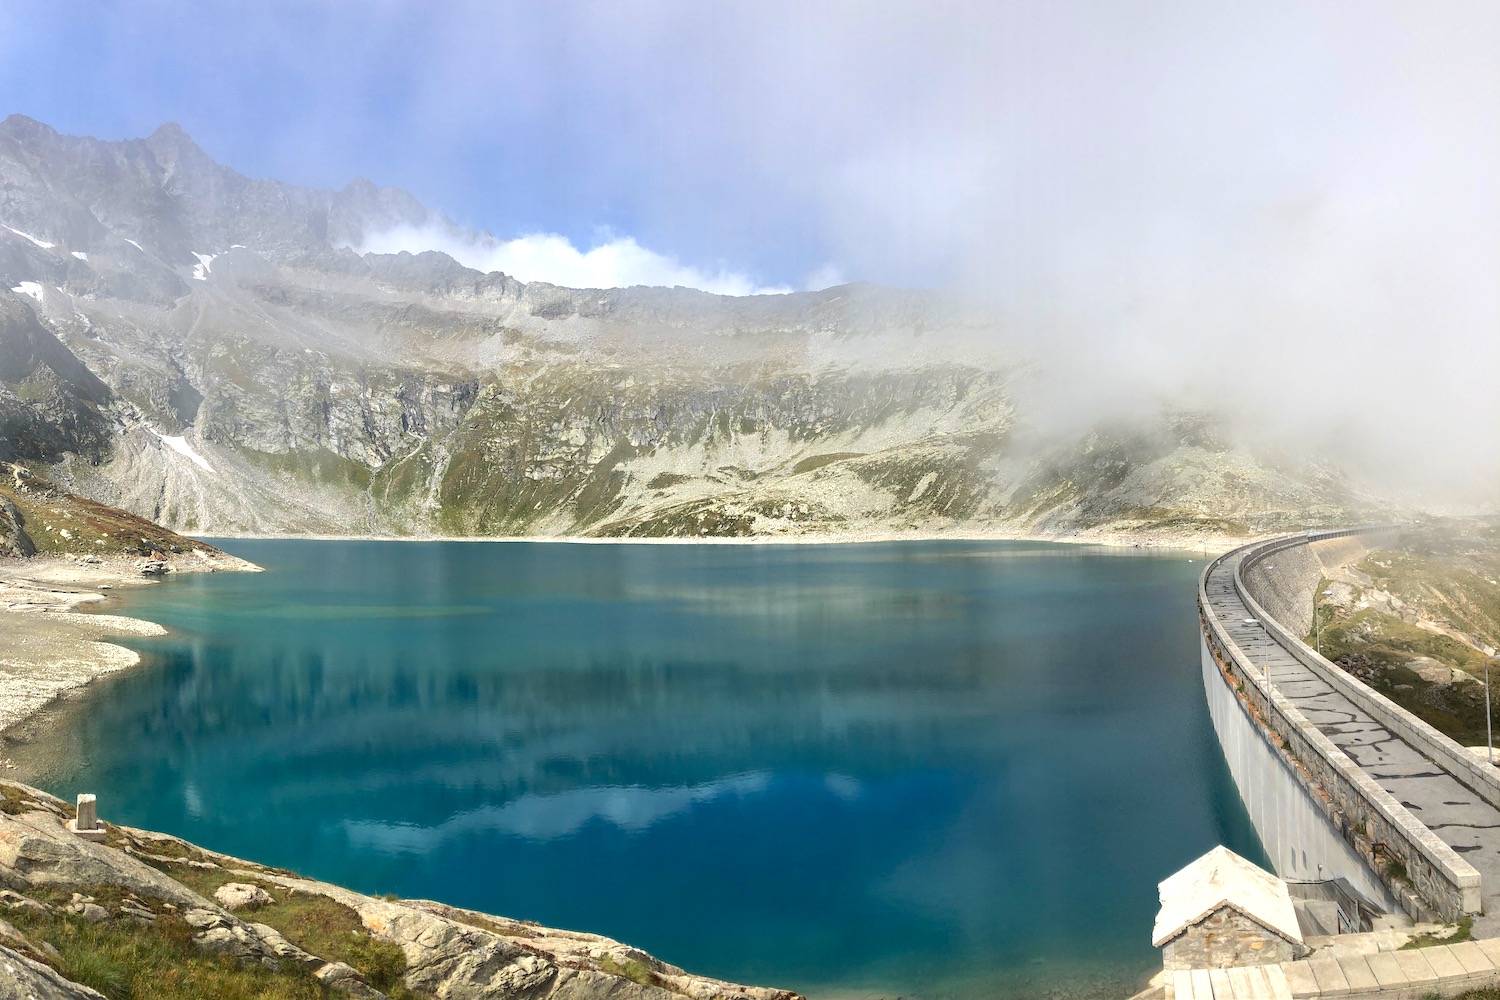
(126, 960)
(1462, 931)
(331, 930)
(170, 849)
(633, 969)
(818, 461)
(14, 802)
(314, 923)
(1387, 639)
(1376, 648)
(318, 465)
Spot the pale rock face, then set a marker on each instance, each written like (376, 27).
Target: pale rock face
(346, 979)
(241, 896)
(24, 979)
(284, 950)
(324, 391)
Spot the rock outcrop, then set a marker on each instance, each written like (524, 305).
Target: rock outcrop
(151, 883)
(23, 978)
(14, 541)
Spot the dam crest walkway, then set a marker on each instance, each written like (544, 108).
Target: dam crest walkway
(1463, 820)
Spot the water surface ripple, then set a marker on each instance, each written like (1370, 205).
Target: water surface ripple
(944, 769)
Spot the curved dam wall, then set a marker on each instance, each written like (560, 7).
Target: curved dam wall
(1295, 827)
(1279, 579)
(1283, 576)
(1317, 813)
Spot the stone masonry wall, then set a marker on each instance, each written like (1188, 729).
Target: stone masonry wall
(1224, 938)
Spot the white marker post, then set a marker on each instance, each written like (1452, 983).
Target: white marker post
(87, 825)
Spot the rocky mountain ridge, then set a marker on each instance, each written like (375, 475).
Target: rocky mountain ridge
(206, 350)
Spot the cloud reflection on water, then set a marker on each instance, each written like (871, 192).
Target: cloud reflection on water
(633, 809)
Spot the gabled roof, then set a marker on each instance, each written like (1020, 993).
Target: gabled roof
(1223, 878)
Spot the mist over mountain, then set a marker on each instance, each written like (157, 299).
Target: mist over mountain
(207, 350)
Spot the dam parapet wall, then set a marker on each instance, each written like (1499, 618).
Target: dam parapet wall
(1359, 819)
(1283, 576)
(1301, 829)
(1279, 572)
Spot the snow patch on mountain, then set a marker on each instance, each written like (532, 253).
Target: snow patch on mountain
(179, 444)
(27, 236)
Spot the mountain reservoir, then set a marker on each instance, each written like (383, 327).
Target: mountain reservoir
(922, 769)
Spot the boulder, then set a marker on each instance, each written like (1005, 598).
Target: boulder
(242, 896)
(347, 979)
(13, 900)
(36, 849)
(1435, 672)
(13, 538)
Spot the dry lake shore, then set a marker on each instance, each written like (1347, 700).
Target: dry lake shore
(53, 642)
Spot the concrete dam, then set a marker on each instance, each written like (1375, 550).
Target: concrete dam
(1340, 781)
(1344, 787)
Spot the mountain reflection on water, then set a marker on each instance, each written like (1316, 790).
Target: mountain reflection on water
(929, 769)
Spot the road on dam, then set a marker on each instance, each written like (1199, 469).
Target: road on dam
(1456, 814)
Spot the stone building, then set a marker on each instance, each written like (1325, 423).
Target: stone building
(1221, 911)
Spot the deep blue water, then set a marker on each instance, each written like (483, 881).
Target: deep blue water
(926, 769)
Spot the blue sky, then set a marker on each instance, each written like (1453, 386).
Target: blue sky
(1026, 148)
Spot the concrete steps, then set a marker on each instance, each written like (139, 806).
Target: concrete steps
(1441, 970)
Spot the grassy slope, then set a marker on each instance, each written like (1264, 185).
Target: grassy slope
(127, 958)
(1444, 573)
(59, 522)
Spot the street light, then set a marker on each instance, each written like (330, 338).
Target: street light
(1489, 731)
(1317, 625)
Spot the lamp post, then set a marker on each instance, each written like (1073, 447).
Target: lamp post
(1489, 731)
(1318, 625)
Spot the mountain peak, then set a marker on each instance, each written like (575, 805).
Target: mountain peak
(171, 134)
(20, 125)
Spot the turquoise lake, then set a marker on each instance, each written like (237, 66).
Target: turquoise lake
(919, 769)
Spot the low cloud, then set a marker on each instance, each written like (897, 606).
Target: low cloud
(619, 262)
(824, 277)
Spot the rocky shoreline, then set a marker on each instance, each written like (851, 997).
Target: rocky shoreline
(49, 645)
(69, 903)
(1206, 543)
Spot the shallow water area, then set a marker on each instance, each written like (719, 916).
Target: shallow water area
(925, 769)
